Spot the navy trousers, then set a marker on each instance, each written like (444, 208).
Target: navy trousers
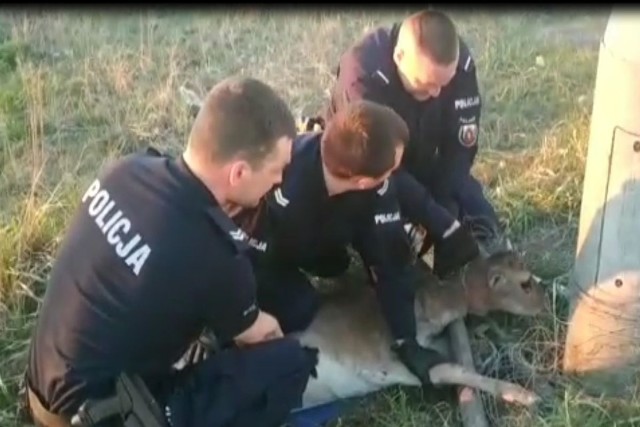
(254, 386)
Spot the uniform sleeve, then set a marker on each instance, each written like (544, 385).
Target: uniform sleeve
(459, 149)
(230, 300)
(418, 205)
(354, 83)
(384, 247)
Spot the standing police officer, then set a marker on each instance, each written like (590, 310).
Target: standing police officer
(336, 193)
(151, 258)
(424, 71)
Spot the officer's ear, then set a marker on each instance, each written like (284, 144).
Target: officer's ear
(238, 172)
(365, 183)
(398, 54)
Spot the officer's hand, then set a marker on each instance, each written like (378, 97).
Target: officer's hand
(265, 328)
(454, 251)
(270, 325)
(419, 360)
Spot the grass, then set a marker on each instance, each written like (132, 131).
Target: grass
(79, 89)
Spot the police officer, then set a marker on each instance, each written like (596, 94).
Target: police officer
(151, 258)
(424, 71)
(336, 193)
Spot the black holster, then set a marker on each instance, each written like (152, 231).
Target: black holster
(132, 406)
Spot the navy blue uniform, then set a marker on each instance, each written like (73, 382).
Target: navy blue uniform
(303, 230)
(150, 260)
(443, 131)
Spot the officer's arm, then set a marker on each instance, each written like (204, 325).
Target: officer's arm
(459, 149)
(418, 205)
(385, 251)
(264, 328)
(355, 83)
(231, 308)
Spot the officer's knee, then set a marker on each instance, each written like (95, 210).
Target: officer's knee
(292, 355)
(244, 386)
(331, 266)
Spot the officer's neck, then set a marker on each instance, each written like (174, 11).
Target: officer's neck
(215, 183)
(334, 185)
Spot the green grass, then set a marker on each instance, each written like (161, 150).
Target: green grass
(77, 90)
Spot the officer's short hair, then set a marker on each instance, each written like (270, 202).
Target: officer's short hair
(435, 34)
(241, 116)
(361, 139)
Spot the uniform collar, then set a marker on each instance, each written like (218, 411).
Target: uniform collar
(308, 151)
(200, 190)
(318, 172)
(212, 207)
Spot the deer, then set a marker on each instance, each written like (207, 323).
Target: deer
(354, 343)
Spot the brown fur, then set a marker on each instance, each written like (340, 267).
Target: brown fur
(350, 331)
(351, 313)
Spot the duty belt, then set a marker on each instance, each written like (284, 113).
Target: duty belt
(132, 404)
(41, 416)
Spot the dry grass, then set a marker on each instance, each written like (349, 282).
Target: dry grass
(77, 90)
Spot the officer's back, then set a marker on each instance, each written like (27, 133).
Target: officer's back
(152, 257)
(122, 278)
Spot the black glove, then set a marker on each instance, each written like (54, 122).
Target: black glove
(454, 251)
(419, 360)
(200, 349)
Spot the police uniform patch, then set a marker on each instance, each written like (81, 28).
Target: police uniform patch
(468, 134)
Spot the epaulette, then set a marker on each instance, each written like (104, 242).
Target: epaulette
(383, 188)
(466, 62)
(280, 199)
(380, 77)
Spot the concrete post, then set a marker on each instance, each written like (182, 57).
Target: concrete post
(603, 337)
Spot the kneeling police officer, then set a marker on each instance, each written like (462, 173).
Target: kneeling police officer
(339, 191)
(422, 68)
(153, 257)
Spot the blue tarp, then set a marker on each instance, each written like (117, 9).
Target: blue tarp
(318, 416)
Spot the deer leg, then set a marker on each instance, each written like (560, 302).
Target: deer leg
(449, 373)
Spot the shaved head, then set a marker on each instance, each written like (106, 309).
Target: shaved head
(426, 53)
(240, 117)
(432, 34)
(240, 141)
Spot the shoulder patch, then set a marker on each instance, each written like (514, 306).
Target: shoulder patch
(280, 199)
(468, 134)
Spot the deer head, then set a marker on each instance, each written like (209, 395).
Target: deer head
(504, 283)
